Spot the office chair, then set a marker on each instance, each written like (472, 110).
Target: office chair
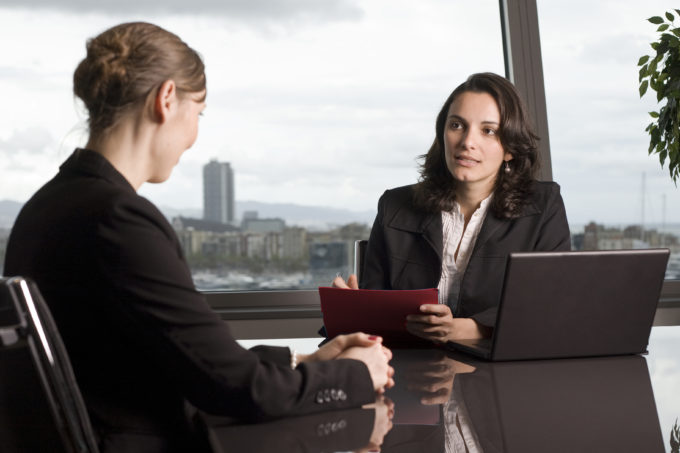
(359, 252)
(41, 408)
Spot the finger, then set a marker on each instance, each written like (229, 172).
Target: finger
(338, 282)
(414, 329)
(436, 329)
(352, 281)
(436, 309)
(360, 339)
(387, 353)
(426, 319)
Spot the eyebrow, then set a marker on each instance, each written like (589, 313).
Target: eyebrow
(453, 115)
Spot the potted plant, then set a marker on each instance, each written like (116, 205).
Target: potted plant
(661, 73)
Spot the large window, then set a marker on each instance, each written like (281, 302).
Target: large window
(317, 107)
(616, 195)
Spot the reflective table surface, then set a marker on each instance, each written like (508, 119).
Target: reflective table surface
(449, 402)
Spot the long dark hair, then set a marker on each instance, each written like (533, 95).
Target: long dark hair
(435, 190)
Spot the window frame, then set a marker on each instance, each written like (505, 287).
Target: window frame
(297, 313)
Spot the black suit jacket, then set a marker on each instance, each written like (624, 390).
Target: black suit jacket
(406, 245)
(142, 340)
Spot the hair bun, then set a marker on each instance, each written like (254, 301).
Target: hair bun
(127, 62)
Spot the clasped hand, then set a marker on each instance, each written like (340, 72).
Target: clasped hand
(365, 348)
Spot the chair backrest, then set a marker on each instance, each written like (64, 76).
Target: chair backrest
(359, 252)
(41, 408)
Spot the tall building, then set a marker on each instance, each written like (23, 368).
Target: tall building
(218, 192)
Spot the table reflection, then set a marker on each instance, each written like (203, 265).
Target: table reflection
(447, 402)
(569, 405)
(359, 430)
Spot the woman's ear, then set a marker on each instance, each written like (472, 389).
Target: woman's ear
(164, 101)
(507, 157)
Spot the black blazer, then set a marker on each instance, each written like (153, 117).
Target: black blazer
(142, 340)
(406, 245)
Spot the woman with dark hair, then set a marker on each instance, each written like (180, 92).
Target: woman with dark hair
(476, 202)
(141, 338)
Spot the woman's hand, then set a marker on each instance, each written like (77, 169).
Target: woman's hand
(351, 283)
(376, 358)
(437, 324)
(339, 344)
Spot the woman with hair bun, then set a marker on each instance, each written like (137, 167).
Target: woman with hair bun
(477, 201)
(141, 339)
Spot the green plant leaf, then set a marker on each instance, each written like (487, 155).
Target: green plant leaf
(643, 88)
(643, 60)
(676, 31)
(654, 114)
(669, 16)
(651, 69)
(642, 73)
(656, 20)
(663, 27)
(669, 39)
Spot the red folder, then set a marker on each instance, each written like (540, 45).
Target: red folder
(373, 311)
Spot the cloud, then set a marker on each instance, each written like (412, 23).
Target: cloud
(33, 140)
(285, 11)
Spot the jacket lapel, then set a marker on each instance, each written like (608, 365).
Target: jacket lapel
(489, 227)
(431, 229)
(428, 225)
(492, 223)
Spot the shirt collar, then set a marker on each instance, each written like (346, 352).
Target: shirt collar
(483, 206)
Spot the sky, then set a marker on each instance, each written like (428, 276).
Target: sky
(329, 103)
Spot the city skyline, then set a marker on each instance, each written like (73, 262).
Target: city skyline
(331, 106)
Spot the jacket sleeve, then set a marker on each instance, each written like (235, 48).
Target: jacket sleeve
(153, 299)
(376, 273)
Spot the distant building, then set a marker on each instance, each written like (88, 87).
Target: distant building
(199, 236)
(294, 243)
(249, 215)
(275, 225)
(218, 192)
(189, 223)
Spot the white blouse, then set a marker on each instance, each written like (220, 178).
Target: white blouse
(455, 233)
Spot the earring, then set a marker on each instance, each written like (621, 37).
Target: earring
(507, 167)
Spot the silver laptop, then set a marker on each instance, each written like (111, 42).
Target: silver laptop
(574, 304)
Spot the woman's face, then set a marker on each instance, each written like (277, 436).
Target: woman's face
(191, 105)
(472, 146)
(182, 130)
